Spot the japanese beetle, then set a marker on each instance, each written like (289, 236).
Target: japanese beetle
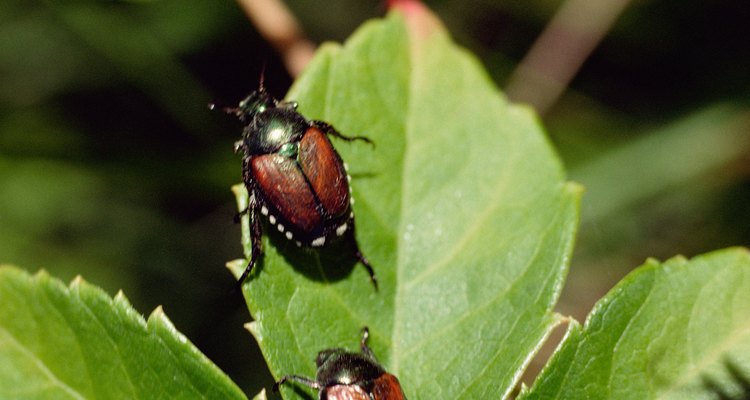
(294, 176)
(343, 375)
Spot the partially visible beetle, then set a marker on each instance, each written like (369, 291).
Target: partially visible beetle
(294, 176)
(343, 375)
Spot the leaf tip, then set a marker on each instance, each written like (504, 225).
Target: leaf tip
(655, 262)
(420, 20)
(77, 282)
(329, 48)
(251, 327)
(241, 196)
(261, 395)
(158, 319)
(39, 275)
(121, 298)
(236, 267)
(255, 330)
(158, 312)
(239, 190)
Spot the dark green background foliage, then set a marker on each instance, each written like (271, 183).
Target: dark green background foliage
(112, 167)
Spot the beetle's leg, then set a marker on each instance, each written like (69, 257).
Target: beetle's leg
(367, 265)
(329, 129)
(238, 217)
(240, 147)
(229, 110)
(291, 105)
(256, 233)
(361, 257)
(363, 344)
(256, 229)
(296, 378)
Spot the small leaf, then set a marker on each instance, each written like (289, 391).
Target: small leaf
(673, 330)
(76, 342)
(462, 208)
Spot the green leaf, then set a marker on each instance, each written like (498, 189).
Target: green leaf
(677, 330)
(462, 208)
(75, 342)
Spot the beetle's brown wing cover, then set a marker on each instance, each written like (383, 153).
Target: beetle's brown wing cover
(283, 186)
(325, 171)
(345, 392)
(387, 387)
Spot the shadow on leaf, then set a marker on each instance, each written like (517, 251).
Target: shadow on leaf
(737, 376)
(330, 263)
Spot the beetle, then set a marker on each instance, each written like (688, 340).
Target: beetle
(344, 375)
(294, 176)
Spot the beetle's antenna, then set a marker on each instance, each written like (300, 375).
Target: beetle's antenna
(296, 378)
(363, 344)
(263, 75)
(226, 109)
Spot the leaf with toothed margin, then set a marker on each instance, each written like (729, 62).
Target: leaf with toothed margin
(462, 207)
(673, 330)
(76, 342)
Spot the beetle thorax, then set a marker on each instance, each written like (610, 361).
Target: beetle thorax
(271, 130)
(348, 368)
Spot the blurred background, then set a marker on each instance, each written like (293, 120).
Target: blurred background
(112, 166)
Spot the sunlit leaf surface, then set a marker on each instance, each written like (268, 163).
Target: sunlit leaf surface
(462, 208)
(673, 330)
(75, 342)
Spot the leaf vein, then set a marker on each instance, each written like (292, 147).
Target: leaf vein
(40, 365)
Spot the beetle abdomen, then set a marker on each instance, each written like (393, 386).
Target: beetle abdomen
(345, 392)
(282, 185)
(387, 387)
(325, 171)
